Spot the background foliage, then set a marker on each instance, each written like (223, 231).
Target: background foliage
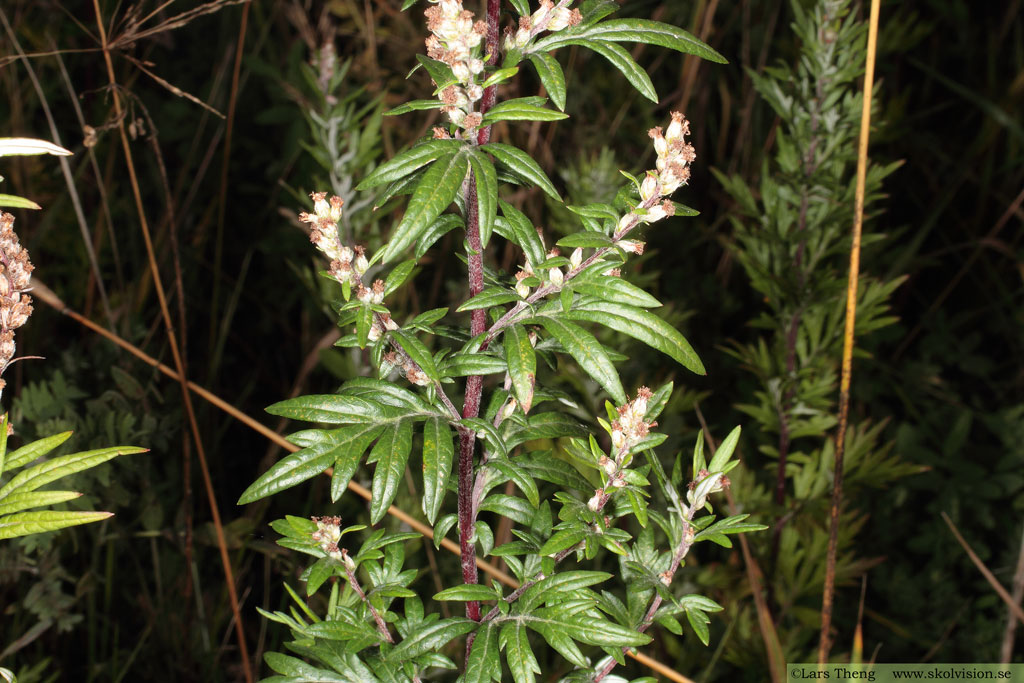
(942, 385)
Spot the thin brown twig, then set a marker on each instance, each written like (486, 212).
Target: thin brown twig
(173, 343)
(1015, 609)
(1006, 651)
(824, 642)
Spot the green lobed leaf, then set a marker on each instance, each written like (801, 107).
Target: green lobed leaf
(486, 179)
(31, 451)
(391, 453)
(641, 325)
(39, 475)
(398, 276)
(585, 628)
(618, 290)
(467, 592)
(725, 451)
(342, 448)
(466, 364)
(18, 202)
(561, 540)
(16, 502)
(434, 193)
(438, 452)
(586, 239)
(518, 654)
(430, 637)
(414, 105)
(522, 163)
(438, 229)
(587, 351)
(490, 296)
(409, 161)
(526, 234)
(551, 76)
(633, 31)
(484, 664)
(621, 60)
(549, 588)
(329, 409)
(522, 364)
(522, 109)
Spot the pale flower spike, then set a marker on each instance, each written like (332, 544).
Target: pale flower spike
(15, 305)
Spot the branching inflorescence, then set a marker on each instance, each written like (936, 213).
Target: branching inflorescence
(15, 304)
(600, 485)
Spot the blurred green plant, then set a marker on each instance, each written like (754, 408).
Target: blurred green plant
(791, 235)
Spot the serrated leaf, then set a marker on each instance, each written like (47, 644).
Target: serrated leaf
(522, 163)
(641, 325)
(391, 453)
(586, 629)
(434, 193)
(409, 161)
(548, 588)
(551, 76)
(438, 452)
(486, 179)
(25, 523)
(587, 351)
(522, 364)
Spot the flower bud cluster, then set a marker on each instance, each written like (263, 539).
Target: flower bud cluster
(630, 428)
(548, 17)
(327, 534)
(347, 264)
(674, 157)
(406, 366)
(15, 273)
(455, 40)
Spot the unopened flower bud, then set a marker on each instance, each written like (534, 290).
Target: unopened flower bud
(626, 222)
(461, 71)
(576, 258)
(649, 187)
(556, 277)
(560, 18)
(631, 246)
(476, 66)
(595, 503)
(665, 577)
(320, 204)
(336, 204)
